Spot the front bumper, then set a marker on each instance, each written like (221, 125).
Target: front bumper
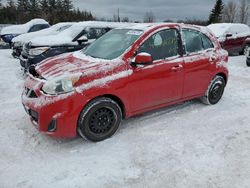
(55, 116)
(27, 62)
(16, 52)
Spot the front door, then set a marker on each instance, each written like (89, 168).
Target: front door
(162, 81)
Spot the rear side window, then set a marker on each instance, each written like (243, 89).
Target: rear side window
(206, 42)
(95, 33)
(161, 45)
(38, 27)
(192, 39)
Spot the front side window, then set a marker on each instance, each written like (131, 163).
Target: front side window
(161, 45)
(112, 44)
(192, 40)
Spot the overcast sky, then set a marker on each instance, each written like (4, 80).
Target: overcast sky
(135, 9)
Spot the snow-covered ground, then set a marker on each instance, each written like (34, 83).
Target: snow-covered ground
(189, 145)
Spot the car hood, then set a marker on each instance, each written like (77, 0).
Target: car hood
(75, 63)
(52, 40)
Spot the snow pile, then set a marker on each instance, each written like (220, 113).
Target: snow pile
(222, 29)
(53, 30)
(185, 145)
(24, 28)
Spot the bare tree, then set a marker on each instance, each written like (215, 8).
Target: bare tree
(125, 19)
(229, 12)
(149, 17)
(243, 11)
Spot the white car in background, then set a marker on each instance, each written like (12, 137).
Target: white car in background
(9, 32)
(19, 41)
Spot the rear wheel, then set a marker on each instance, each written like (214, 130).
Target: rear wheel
(100, 119)
(215, 91)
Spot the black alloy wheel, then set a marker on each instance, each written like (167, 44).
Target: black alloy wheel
(100, 119)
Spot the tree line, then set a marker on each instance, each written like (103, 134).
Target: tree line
(233, 11)
(54, 11)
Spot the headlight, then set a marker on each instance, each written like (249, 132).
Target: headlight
(60, 85)
(38, 51)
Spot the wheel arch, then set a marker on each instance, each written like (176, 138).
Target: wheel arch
(115, 98)
(223, 75)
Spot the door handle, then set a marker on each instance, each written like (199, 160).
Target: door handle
(177, 68)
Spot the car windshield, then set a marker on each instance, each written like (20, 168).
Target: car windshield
(72, 31)
(112, 44)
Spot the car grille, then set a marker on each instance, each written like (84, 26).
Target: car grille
(30, 93)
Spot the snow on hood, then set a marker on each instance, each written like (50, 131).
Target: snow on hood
(23, 28)
(221, 29)
(66, 37)
(53, 30)
(74, 63)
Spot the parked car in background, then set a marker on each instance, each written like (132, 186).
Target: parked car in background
(72, 39)
(232, 36)
(126, 72)
(8, 33)
(19, 41)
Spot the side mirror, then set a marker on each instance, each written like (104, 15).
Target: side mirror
(229, 35)
(143, 59)
(82, 39)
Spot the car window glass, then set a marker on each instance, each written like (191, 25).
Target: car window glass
(207, 43)
(192, 40)
(63, 28)
(95, 33)
(38, 27)
(161, 45)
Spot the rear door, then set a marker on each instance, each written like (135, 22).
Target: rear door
(199, 56)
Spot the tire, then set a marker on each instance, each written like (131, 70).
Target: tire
(215, 91)
(99, 120)
(245, 50)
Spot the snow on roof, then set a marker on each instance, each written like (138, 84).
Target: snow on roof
(53, 30)
(22, 28)
(221, 29)
(66, 36)
(147, 26)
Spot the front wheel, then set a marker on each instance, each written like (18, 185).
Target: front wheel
(215, 91)
(99, 120)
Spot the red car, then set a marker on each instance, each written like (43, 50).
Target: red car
(126, 72)
(232, 36)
